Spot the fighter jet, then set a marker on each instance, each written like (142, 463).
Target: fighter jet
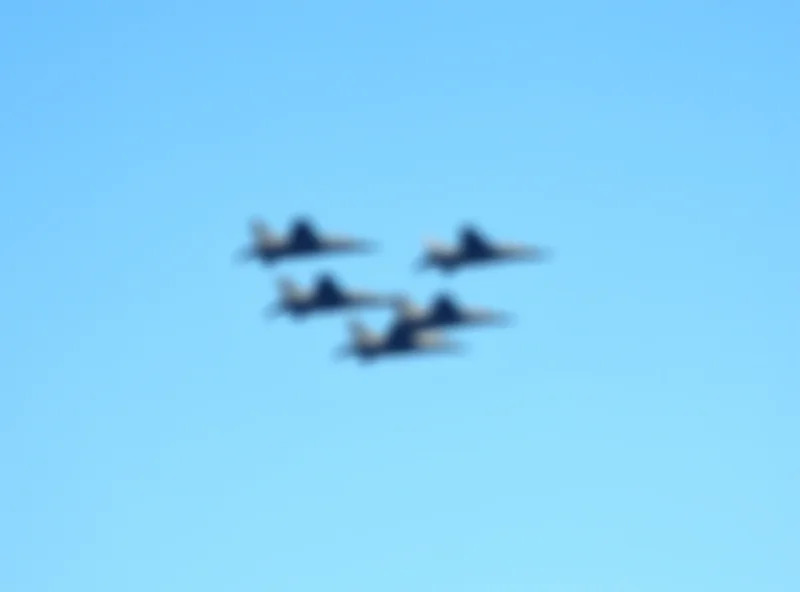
(302, 240)
(327, 295)
(399, 340)
(445, 311)
(473, 248)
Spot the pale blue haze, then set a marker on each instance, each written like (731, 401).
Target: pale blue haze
(637, 431)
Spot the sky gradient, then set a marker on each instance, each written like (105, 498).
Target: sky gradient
(633, 431)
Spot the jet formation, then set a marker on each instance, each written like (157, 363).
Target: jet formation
(414, 329)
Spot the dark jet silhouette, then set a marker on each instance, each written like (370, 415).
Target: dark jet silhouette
(399, 340)
(302, 240)
(446, 312)
(473, 248)
(326, 296)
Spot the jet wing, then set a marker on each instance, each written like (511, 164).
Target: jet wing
(444, 307)
(474, 243)
(303, 235)
(400, 336)
(328, 290)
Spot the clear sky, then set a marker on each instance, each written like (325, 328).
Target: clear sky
(635, 431)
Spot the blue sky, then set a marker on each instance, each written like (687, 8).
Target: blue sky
(636, 430)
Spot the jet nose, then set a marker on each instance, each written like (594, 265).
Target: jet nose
(495, 318)
(504, 319)
(542, 254)
(365, 246)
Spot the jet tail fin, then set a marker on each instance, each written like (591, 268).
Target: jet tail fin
(405, 307)
(260, 232)
(359, 331)
(434, 245)
(288, 289)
